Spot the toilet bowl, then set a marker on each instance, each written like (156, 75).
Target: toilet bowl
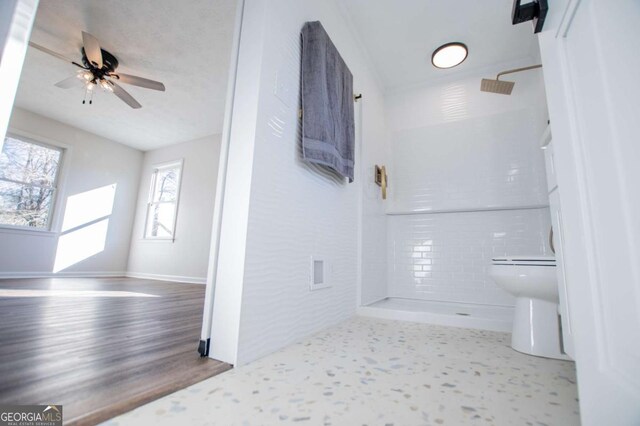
(536, 324)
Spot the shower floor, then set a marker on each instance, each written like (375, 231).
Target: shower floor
(482, 317)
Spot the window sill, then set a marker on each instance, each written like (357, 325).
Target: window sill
(26, 231)
(158, 240)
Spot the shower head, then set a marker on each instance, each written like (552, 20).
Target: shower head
(500, 86)
(497, 86)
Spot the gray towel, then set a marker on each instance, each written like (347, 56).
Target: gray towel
(328, 135)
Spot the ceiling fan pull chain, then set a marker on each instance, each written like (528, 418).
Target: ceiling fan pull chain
(91, 98)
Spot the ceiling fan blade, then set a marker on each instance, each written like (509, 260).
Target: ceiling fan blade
(92, 49)
(70, 82)
(139, 81)
(52, 53)
(125, 96)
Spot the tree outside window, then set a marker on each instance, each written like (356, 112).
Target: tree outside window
(163, 201)
(28, 183)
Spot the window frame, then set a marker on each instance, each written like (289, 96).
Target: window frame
(155, 168)
(57, 188)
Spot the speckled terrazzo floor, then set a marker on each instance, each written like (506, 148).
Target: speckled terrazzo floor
(377, 372)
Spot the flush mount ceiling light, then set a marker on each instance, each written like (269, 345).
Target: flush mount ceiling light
(449, 55)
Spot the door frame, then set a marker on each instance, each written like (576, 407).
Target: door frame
(600, 238)
(221, 187)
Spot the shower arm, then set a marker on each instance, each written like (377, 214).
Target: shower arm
(518, 70)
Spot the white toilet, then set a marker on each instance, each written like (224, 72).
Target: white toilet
(536, 324)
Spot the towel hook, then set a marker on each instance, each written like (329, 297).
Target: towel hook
(380, 178)
(357, 97)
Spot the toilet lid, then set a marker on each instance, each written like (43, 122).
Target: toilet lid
(525, 260)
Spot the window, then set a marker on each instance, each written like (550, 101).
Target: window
(163, 201)
(28, 182)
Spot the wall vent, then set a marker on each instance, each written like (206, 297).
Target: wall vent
(318, 275)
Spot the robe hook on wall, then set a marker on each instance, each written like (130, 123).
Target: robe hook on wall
(380, 178)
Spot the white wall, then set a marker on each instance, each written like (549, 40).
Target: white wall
(7, 9)
(283, 209)
(456, 148)
(16, 22)
(373, 238)
(186, 258)
(90, 163)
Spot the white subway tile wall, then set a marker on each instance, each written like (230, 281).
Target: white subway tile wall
(297, 209)
(446, 256)
(490, 161)
(374, 230)
(459, 150)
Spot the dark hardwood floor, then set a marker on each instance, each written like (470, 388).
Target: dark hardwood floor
(99, 346)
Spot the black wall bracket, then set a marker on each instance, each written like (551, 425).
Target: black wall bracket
(203, 347)
(535, 11)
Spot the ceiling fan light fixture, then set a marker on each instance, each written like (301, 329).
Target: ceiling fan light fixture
(84, 75)
(449, 55)
(106, 86)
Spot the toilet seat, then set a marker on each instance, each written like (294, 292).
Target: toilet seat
(524, 261)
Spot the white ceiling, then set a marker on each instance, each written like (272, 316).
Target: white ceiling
(400, 36)
(185, 47)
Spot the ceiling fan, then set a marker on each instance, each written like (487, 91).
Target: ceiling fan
(99, 70)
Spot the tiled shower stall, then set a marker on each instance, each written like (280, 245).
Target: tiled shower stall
(468, 184)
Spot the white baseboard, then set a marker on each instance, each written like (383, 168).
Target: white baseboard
(18, 275)
(119, 274)
(173, 278)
